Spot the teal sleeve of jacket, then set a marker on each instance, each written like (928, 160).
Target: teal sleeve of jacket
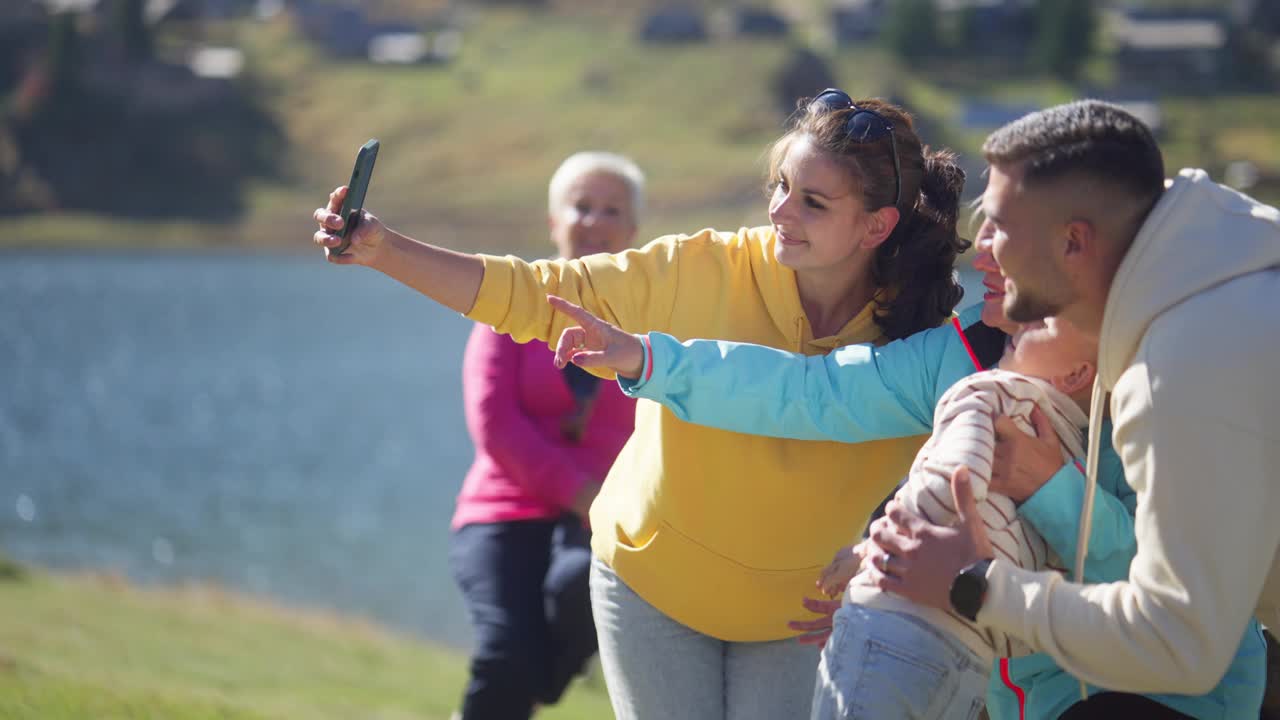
(1054, 511)
(853, 394)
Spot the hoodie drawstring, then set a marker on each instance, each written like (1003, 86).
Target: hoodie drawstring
(1096, 404)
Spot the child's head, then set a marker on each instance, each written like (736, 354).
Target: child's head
(1055, 351)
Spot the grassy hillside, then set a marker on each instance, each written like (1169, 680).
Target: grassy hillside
(83, 647)
(468, 147)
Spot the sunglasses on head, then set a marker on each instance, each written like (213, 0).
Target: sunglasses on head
(863, 126)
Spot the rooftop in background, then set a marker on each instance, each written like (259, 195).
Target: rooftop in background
(1147, 30)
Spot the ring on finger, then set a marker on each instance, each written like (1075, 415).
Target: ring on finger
(884, 561)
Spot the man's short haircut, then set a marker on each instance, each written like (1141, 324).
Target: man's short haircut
(1088, 137)
(589, 162)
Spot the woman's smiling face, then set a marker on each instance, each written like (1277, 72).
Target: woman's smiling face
(817, 213)
(992, 281)
(593, 215)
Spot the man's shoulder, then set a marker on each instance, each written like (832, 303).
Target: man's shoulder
(1236, 320)
(1215, 354)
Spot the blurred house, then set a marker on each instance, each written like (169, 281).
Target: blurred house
(992, 27)
(674, 24)
(56, 6)
(157, 10)
(1261, 16)
(759, 22)
(345, 31)
(1257, 24)
(746, 21)
(148, 87)
(1169, 47)
(199, 9)
(217, 62)
(340, 29)
(857, 21)
(987, 115)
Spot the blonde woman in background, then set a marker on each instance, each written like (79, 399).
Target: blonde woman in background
(544, 441)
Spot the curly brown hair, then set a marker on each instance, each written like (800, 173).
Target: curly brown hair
(917, 261)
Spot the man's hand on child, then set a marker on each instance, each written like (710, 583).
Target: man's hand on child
(916, 559)
(1022, 463)
(596, 343)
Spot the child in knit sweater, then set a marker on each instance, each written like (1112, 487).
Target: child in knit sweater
(890, 658)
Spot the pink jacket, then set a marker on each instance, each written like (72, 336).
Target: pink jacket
(515, 399)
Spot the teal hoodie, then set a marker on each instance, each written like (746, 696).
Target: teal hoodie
(859, 393)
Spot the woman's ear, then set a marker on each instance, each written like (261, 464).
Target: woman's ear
(1079, 377)
(880, 225)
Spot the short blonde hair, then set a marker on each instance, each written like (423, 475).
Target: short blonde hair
(586, 163)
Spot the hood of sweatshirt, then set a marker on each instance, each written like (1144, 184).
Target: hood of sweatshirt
(1200, 234)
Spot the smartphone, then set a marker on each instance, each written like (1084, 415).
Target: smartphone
(353, 204)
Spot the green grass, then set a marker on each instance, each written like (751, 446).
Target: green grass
(81, 647)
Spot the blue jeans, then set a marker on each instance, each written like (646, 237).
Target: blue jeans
(883, 665)
(657, 668)
(525, 585)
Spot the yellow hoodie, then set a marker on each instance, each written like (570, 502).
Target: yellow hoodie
(722, 532)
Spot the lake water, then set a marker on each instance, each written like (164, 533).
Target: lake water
(269, 423)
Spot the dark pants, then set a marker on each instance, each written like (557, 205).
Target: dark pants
(1121, 706)
(526, 589)
(1271, 698)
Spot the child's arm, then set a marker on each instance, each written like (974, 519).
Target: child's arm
(964, 435)
(854, 394)
(1054, 511)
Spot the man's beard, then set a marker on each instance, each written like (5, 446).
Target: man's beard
(1020, 306)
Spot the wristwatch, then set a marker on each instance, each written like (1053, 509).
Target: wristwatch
(969, 589)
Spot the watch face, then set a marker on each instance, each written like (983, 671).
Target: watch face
(968, 590)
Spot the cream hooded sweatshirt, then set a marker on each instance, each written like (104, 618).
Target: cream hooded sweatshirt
(1190, 350)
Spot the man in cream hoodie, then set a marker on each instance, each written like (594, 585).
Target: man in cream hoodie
(1180, 280)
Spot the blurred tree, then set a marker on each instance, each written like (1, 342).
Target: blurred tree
(964, 36)
(130, 24)
(65, 63)
(1251, 59)
(803, 74)
(10, 570)
(1064, 36)
(911, 29)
